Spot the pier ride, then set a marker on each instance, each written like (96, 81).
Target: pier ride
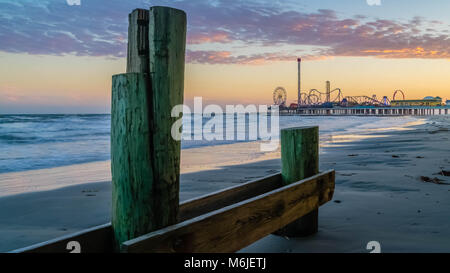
(364, 101)
(333, 102)
(316, 97)
(398, 91)
(279, 96)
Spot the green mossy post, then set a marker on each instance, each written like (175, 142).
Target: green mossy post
(131, 159)
(167, 43)
(145, 159)
(299, 160)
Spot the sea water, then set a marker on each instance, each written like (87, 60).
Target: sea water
(31, 142)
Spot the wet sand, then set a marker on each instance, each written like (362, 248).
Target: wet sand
(381, 196)
(380, 193)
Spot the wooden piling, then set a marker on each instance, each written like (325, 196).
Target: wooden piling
(138, 53)
(167, 45)
(299, 160)
(131, 158)
(145, 158)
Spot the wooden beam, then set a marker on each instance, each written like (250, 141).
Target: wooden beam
(299, 160)
(231, 228)
(99, 239)
(217, 200)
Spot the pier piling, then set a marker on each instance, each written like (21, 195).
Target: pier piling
(299, 160)
(145, 159)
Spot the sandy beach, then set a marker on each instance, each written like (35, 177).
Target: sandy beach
(390, 188)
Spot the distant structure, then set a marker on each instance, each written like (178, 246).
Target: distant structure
(316, 97)
(427, 101)
(398, 92)
(333, 102)
(280, 96)
(350, 101)
(328, 92)
(299, 92)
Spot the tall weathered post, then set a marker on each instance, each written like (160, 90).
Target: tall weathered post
(299, 160)
(145, 159)
(138, 42)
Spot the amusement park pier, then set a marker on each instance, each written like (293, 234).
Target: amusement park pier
(333, 102)
(372, 111)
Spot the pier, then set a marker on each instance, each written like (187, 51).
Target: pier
(332, 102)
(370, 111)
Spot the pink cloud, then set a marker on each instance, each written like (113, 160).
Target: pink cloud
(358, 36)
(226, 57)
(95, 29)
(214, 37)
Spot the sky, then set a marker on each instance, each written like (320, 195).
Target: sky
(59, 58)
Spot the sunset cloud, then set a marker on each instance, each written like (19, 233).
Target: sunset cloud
(208, 37)
(51, 27)
(226, 57)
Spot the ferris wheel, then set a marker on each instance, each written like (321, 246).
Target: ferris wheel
(279, 96)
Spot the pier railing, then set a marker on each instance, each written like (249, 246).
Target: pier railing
(371, 111)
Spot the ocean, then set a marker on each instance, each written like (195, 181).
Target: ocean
(31, 142)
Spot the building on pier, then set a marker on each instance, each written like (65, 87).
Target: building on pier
(427, 101)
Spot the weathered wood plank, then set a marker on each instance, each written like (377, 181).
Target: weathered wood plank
(138, 48)
(99, 239)
(299, 160)
(217, 200)
(231, 228)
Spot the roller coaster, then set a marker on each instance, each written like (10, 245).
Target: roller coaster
(316, 98)
(365, 100)
(329, 98)
(336, 97)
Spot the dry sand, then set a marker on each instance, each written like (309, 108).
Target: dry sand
(379, 196)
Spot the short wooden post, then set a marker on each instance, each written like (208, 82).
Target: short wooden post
(299, 160)
(131, 159)
(145, 158)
